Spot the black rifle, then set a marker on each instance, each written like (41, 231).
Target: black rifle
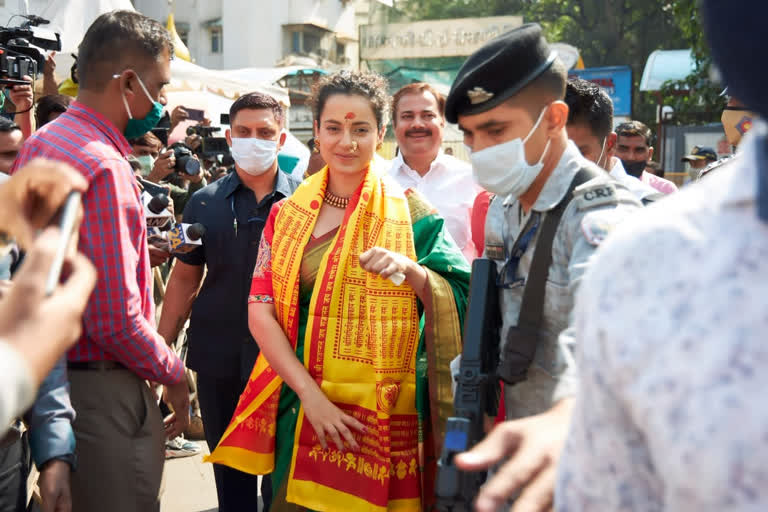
(477, 392)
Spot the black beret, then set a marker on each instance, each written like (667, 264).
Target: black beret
(498, 71)
(731, 49)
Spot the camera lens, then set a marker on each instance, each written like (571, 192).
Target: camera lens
(191, 166)
(185, 162)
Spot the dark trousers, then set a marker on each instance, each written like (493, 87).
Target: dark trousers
(15, 464)
(237, 491)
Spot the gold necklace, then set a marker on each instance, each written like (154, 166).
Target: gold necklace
(335, 201)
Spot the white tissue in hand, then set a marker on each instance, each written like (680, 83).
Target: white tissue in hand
(397, 278)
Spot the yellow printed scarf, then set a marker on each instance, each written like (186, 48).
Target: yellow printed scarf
(361, 341)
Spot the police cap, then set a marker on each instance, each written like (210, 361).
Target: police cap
(498, 71)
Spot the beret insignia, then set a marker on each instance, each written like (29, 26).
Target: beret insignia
(479, 95)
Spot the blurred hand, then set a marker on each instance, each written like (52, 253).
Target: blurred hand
(32, 197)
(21, 96)
(193, 141)
(163, 167)
(54, 487)
(157, 255)
(50, 65)
(41, 328)
(178, 115)
(176, 396)
(532, 446)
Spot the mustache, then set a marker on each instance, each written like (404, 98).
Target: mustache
(421, 131)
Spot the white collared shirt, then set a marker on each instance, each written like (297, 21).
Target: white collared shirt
(450, 188)
(671, 328)
(637, 187)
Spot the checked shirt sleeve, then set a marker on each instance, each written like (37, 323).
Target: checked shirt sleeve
(113, 236)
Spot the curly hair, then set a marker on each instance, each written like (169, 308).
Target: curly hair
(371, 86)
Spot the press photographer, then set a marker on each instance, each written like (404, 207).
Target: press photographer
(176, 168)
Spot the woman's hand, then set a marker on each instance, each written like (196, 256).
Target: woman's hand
(386, 263)
(329, 420)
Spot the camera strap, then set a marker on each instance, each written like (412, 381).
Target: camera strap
(523, 340)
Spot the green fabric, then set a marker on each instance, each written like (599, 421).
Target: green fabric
(434, 250)
(438, 252)
(180, 195)
(288, 408)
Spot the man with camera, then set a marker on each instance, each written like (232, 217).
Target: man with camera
(124, 64)
(177, 167)
(234, 210)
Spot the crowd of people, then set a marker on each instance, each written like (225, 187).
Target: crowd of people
(311, 332)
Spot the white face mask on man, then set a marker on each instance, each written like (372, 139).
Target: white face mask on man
(503, 169)
(252, 155)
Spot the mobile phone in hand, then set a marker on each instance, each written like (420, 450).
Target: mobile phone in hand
(195, 114)
(67, 226)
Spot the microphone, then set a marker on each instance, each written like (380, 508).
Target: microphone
(184, 238)
(156, 210)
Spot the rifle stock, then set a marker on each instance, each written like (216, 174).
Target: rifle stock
(477, 390)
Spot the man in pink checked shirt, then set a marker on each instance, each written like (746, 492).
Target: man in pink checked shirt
(124, 64)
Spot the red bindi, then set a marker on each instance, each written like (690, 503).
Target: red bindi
(350, 115)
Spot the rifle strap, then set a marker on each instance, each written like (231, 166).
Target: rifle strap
(532, 306)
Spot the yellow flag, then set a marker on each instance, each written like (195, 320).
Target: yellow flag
(179, 48)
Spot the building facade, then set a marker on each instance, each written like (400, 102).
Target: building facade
(231, 34)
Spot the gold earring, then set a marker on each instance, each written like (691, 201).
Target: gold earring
(378, 146)
(316, 149)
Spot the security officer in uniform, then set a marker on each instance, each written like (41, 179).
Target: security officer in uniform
(508, 101)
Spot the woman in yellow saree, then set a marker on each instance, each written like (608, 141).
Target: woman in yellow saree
(365, 358)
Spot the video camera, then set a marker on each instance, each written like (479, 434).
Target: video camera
(19, 49)
(210, 146)
(203, 131)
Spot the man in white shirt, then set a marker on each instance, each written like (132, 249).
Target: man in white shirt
(590, 127)
(447, 183)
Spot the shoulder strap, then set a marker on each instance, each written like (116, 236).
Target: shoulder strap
(532, 306)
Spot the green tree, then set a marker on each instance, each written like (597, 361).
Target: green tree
(607, 32)
(696, 99)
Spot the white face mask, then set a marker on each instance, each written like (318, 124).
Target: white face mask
(254, 156)
(601, 156)
(503, 170)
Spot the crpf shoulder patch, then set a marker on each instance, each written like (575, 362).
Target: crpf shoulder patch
(595, 193)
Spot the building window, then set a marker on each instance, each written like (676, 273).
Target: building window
(183, 35)
(296, 42)
(341, 52)
(216, 40)
(311, 43)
